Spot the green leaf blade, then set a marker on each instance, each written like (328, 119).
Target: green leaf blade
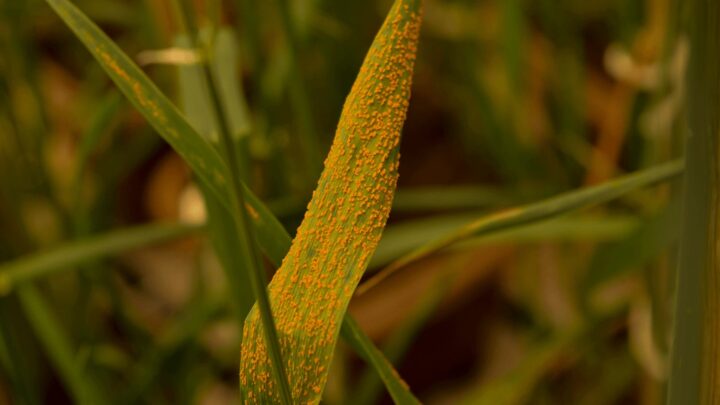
(147, 98)
(311, 290)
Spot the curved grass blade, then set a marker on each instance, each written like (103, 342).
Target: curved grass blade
(532, 213)
(171, 125)
(26, 269)
(517, 386)
(404, 237)
(369, 387)
(341, 229)
(49, 332)
(247, 249)
(359, 341)
(147, 98)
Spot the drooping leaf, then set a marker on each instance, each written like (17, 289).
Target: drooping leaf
(342, 226)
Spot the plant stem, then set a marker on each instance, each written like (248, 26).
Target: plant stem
(299, 99)
(28, 268)
(49, 332)
(695, 370)
(531, 213)
(248, 248)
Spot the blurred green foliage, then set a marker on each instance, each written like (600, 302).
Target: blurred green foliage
(513, 102)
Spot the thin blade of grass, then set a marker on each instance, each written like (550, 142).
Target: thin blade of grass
(311, 290)
(224, 239)
(423, 199)
(195, 101)
(49, 332)
(369, 386)
(695, 370)
(363, 345)
(646, 242)
(531, 213)
(180, 333)
(171, 125)
(147, 98)
(42, 264)
(248, 251)
(23, 366)
(17, 368)
(403, 238)
(193, 94)
(517, 386)
(299, 98)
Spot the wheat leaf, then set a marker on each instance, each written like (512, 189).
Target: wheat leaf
(342, 226)
(159, 111)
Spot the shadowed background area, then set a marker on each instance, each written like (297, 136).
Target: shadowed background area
(513, 102)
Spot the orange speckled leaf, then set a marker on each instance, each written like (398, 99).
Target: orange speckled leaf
(342, 226)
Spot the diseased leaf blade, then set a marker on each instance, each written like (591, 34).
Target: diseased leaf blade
(271, 236)
(342, 226)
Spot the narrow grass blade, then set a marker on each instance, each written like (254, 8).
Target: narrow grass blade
(193, 94)
(22, 366)
(695, 370)
(299, 98)
(363, 345)
(532, 213)
(224, 238)
(49, 331)
(17, 368)
(369, 386)
(517, 386)
(311, 290)
(398, 240)
(147, 98)
(170, 124)
(106, 112)
(42, 264)
(646, 242)
(247, 249)
(182, 332)
(422, 199)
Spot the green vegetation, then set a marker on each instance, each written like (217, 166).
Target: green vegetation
(408, 201)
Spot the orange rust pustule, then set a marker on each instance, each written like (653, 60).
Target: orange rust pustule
(342, 226)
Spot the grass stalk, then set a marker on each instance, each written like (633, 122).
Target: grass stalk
(360, 342)
(25, 269)
(531, 213)
(695, 371)
(55, 343)
(248, 249)
(299, 98)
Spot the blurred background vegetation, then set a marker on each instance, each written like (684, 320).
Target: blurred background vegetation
(513, 101)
